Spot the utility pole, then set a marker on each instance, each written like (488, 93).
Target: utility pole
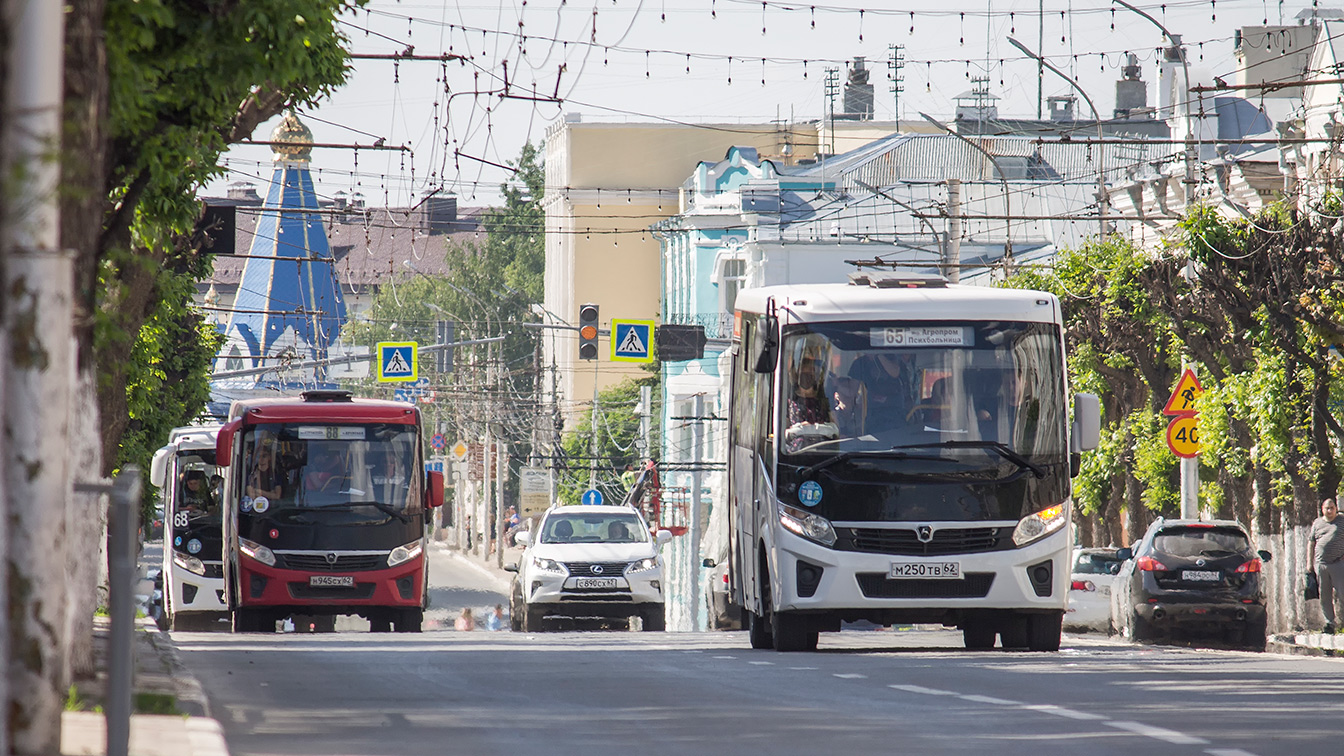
(645, 424)
(592, 430)
(1040, 63)
(952, 249)
(832, 89)
(697, 459)
(895, 64)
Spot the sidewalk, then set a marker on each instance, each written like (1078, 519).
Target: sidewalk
(175, 718)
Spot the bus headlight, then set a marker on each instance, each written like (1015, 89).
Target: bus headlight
(189, 563)
(1037, 526)
(257, 552)
(811, 526)
(404, 553)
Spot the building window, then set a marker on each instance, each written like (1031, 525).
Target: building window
(732, 274)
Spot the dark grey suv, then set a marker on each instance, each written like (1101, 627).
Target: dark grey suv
(1194, 578)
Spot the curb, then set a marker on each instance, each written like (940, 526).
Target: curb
(1301, 644)
(190, 694)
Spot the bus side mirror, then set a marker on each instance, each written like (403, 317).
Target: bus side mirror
(433, 489)
(1086, 422)
(158, 467)
(767, 354)
(224, 442)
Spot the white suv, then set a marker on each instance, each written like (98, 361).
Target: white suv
(589, 561)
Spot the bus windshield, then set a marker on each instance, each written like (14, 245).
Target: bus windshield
(969, 407)
(328, 467)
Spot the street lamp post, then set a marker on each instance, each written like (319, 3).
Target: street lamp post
(1003, 177)
(1101, 147)
(1184, 102)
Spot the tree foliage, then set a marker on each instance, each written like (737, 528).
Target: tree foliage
(1254, 306)
(615, 423)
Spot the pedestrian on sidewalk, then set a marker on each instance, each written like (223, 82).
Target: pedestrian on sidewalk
(465, 622)
(1325, 552)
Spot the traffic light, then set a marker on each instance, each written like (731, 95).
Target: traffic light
(447, 330)
(588, 332)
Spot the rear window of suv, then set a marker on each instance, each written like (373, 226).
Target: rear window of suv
(1196, 541)
(1094, 564)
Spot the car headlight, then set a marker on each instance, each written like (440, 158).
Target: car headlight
(549, 565)
(257, 552)
(643, 565)
(190, 563)
(811, 526)
(1034, 527)
(404, 553)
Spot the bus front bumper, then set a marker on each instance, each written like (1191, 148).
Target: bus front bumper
(1034, 578)
(399, 586)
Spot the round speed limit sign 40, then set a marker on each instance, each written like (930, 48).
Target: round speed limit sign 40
(1183, 436)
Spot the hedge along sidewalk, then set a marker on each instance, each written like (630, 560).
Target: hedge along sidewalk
(172, 714)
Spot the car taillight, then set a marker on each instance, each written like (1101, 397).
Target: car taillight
(1082, 585)
(1252, 566)
(1148, 564)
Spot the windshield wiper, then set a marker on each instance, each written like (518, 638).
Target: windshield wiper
(1004, 450)
(381, 507)
(894, 453)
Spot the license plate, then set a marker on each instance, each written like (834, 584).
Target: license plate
(1203, 575)
(595, 582)
(936, 570)
(328, 581)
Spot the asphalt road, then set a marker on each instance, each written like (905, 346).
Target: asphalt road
(592, 693)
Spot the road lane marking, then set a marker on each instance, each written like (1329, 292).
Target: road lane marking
(762, 663)
(851, 676)
(1228, 752)
(802, 669)
(725, 657)
(1060, 711)
(923, 690)
(1157, 733)
(991, 700)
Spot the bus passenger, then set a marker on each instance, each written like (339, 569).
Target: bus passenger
(196, 498)
(808, 413)
(890, 382)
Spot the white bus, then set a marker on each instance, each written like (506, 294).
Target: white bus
(901, 452)
(184, 470)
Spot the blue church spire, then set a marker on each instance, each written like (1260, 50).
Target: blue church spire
(289, 306)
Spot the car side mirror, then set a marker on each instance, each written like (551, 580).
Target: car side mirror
(523, 537)
(1265, 556)
(510, 567)
(663, 536)
(707, 562)
(1124, 555)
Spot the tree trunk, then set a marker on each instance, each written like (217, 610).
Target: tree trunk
(83, 178)
(40, 363)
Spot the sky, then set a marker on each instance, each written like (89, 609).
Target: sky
(697, 61)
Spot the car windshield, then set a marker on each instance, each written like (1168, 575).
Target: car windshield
(330, 467)
(1094, 563)
(1201, 541)
(593, 527)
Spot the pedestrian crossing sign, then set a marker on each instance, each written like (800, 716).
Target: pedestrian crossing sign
(631, 340)
(398, 362)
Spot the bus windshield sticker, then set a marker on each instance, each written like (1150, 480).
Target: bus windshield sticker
(260, 504)
(809, 493)
(330, 432)
(921, 336)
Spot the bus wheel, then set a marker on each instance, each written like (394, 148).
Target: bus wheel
(1043, 631)
(1013, 632)
(791, 633)
(409, 620)
(977, 635)
(379, 622)
(251, 621)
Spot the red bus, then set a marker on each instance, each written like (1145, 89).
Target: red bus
(325, 510)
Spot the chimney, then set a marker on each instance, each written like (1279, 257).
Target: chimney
(244, 192)
(1131, 92)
